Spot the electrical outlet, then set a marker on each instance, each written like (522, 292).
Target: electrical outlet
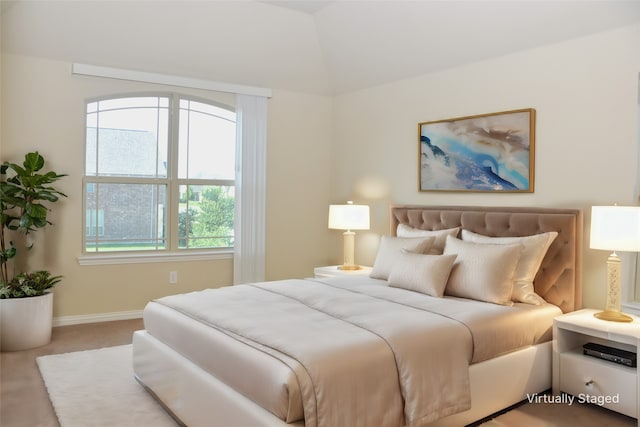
(173, 277)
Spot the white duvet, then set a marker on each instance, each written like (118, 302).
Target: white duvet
(360, 358)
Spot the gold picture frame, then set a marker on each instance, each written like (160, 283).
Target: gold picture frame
(484, 153)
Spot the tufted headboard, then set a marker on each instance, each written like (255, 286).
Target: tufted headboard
(559, 279)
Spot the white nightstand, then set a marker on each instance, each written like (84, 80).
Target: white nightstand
(332, 271)
(589, 379)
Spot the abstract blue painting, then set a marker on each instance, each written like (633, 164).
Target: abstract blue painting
(488, 152)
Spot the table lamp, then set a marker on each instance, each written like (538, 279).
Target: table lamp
(349, 217)
(615, 228)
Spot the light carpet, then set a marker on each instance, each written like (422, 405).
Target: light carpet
(96, 388)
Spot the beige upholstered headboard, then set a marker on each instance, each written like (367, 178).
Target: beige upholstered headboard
(559, 279)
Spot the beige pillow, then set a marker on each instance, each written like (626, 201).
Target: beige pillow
(482, 271)
(534, 248)
(427, 274)
(391, 249)
(405, 230)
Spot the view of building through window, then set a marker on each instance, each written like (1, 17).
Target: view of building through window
(159, 174)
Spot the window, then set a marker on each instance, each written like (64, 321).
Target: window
(159, 174)
(94, 224)
(631, 296)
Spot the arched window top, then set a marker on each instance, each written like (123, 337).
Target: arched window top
(159, 174)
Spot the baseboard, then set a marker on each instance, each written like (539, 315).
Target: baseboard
(94, 318)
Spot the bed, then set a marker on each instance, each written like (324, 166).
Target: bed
(234, 357)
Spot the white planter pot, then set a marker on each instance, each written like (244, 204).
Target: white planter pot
(25, 322)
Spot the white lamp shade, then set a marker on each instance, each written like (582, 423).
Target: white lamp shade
(349, 217)
(615, 228)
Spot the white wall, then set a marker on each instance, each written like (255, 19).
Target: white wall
(585, 95)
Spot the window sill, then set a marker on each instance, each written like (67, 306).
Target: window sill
(144, 258)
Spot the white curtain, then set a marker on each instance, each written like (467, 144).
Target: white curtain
(251, 165)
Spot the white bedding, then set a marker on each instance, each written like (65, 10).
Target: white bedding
(272, 379)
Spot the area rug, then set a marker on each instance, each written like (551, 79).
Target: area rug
(96, 388)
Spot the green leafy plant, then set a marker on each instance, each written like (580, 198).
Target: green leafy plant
(23, 190)
(28, 284)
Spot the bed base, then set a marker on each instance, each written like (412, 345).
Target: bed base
(197, 398)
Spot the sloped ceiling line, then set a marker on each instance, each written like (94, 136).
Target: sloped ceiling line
(321, 47)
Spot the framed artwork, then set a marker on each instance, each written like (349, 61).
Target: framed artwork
(489, 152)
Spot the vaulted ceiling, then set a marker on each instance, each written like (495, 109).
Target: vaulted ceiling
(324, 47)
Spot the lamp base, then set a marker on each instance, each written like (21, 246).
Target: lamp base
(613, 316)
(349, 267)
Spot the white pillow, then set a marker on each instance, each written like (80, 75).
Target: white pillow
(405, 230)
(534, 248)
(482, 271)
(390, 250)
(426, 274)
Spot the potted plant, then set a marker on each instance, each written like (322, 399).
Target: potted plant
(26, 305)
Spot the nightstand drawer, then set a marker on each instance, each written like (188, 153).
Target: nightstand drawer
(598, 381)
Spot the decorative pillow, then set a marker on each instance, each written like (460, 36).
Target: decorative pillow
(534, 248)
(404, 230)
(482, 271)
(391, 249)
(427, 274)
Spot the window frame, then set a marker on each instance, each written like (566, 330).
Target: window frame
(631, 280)
(171, 252)
(98, 228)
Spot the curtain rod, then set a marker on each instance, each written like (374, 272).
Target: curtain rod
(166, 79)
